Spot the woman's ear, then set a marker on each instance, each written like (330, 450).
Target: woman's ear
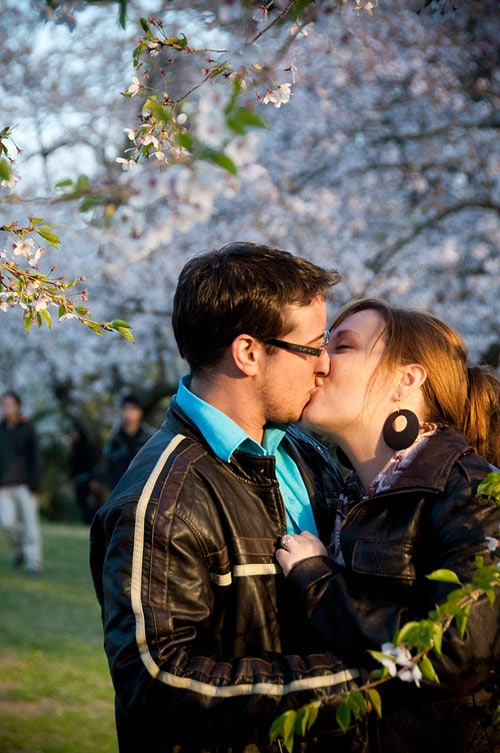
(413, 376)
(245, 351)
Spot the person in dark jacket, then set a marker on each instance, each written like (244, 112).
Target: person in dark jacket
(203, 649)
(19, 479)
(132, 434)
(410, 418)
(83, 461)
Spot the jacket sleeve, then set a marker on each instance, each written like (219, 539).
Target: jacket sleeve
(350, 612)
(163, 618)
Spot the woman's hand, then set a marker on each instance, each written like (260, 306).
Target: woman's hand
(296, 547)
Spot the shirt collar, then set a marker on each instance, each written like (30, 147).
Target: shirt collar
(222, 433)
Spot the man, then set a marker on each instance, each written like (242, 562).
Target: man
(201, 644)
(133, 433)
(19, 478)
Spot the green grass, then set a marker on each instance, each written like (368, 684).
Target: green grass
(55, 690)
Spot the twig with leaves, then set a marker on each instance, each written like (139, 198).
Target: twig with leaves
(24, 285)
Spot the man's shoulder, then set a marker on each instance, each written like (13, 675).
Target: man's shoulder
(297, 435)
(315, 453)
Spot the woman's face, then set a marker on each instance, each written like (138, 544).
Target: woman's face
(350, 401)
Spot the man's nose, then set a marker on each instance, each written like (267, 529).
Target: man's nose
(323, 364)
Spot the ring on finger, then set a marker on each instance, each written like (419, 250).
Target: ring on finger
(285, 540)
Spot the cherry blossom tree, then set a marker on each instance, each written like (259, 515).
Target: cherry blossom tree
(367, 142)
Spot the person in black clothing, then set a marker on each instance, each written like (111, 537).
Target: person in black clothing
(82, 466)
(202, 647)
(19, 479)
(133, 433)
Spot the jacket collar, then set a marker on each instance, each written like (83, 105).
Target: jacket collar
(431, 467)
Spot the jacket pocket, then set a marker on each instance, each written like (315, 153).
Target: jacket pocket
(390, 559)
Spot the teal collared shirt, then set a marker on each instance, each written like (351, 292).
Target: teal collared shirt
(225, 436)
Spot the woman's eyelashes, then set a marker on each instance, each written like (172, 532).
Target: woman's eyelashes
(341, 346)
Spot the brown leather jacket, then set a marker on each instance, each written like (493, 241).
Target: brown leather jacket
(203, 649)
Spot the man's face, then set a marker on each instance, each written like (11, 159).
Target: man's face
(132, 416)
(289, 378)
(10, 409)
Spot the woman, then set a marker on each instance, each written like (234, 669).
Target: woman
(407, 509)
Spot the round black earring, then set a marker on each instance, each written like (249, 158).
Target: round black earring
(398, 440)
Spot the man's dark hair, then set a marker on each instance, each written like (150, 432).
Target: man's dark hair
(13, 395)
(240, 288)
(131, 400)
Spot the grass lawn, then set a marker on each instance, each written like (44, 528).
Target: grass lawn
(55, 690)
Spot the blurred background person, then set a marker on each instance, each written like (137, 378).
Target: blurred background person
(83, 468)
(19, 479)
(132, 434)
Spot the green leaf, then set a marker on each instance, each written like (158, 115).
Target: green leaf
(289, 729)
(65, 183)
(490, 487)
(461, 620)
(136, 57)
(495, 719)
(223, 161)
(218, 69)
(185, 140)
(343, 716)
(491, 595)
(82, 183)
(283, 727)
(276, 729)
(357, 703)
(49, 236)
(374, 698)
(5, 169)
(445, 576)
(145, 25)
(437, 639)
(126, 333)
(376, 674)
(241, 118)
(313, 713)
(406, 632)
(427, 669)
(81, 310)
(306, 716)
(161, 113)
(301, 721)
(90, 202)
(27, 321)
(94, 327)
(378, 655)
(278, 726)
(177, 41)
(46, 317)
(299, 6)
(119, 323)
(122, 13)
